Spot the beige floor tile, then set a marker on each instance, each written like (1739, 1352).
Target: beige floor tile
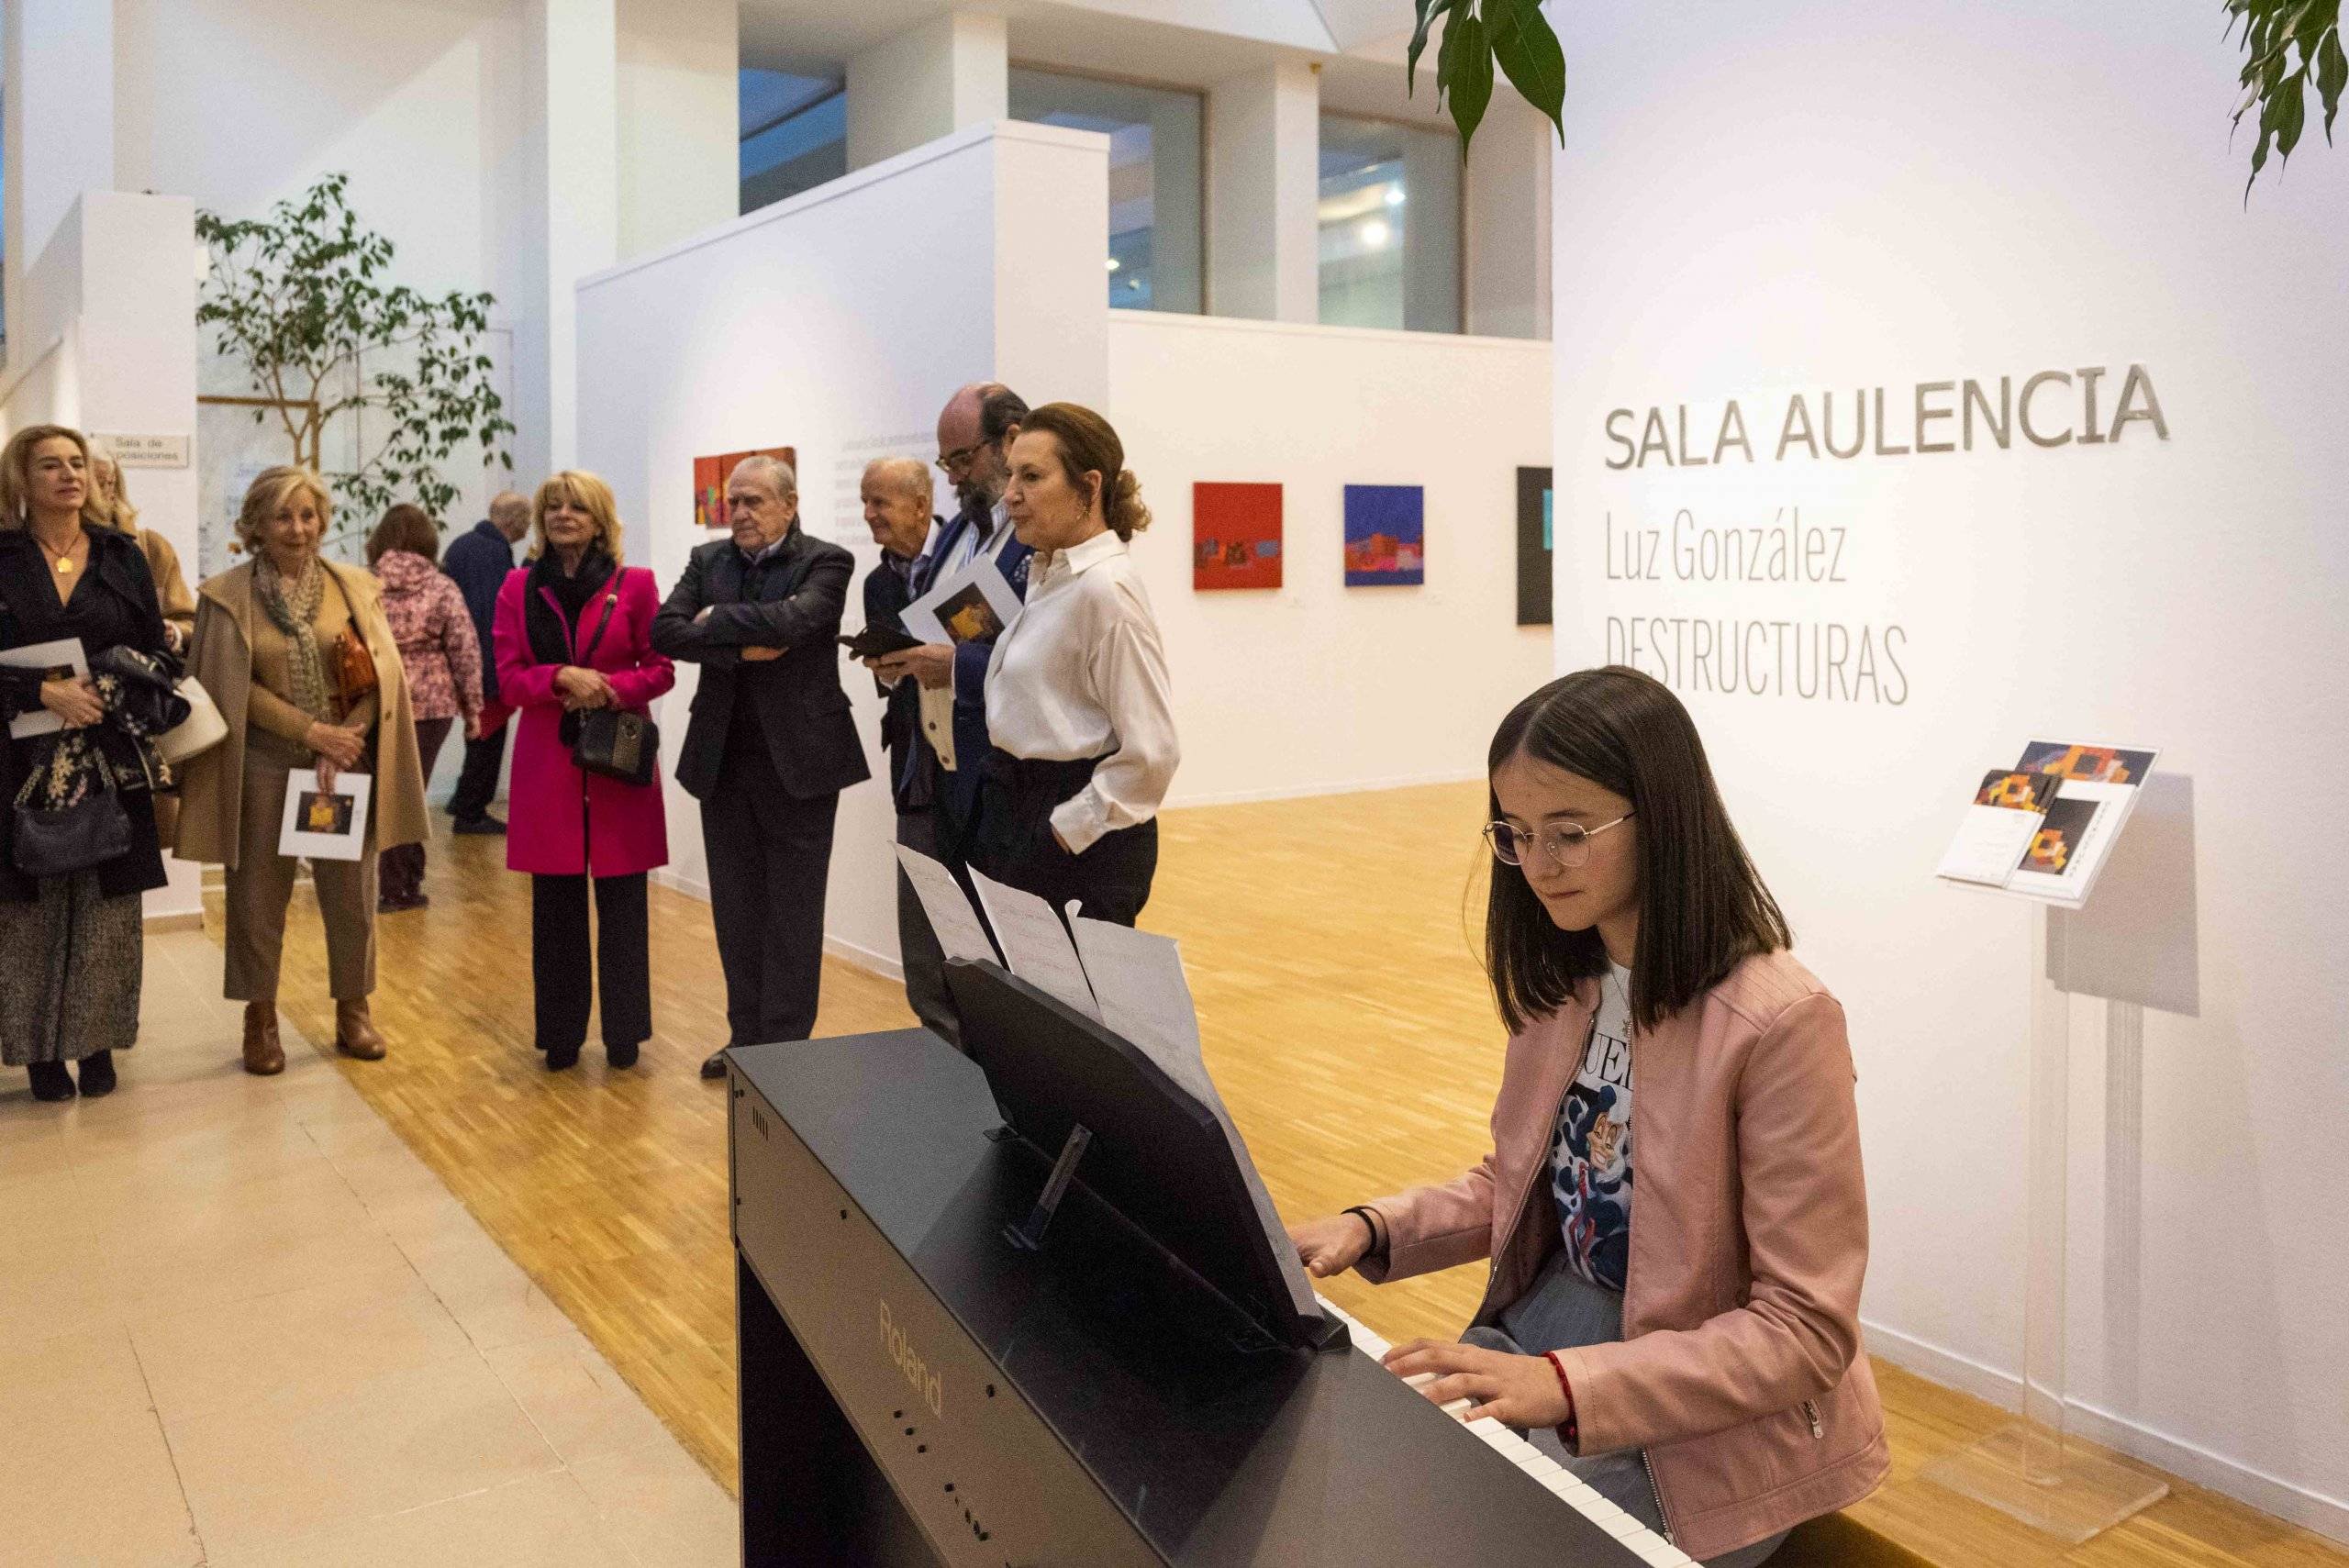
(231, 1267)
(306, 1347)
(257, 1477)
(97, 1488)
(483, 1290)
(663, 1507)
(39, 1203)
(82, 1374)
(544, 1522)
(53, 1286)
(579, 1403)
(33, 1139)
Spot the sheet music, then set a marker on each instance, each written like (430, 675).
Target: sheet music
(1036, 946)
(1144, 997)
(951, 919)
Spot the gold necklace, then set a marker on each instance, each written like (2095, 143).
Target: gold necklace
(61, 560)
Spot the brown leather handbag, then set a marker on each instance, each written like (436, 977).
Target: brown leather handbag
(354, 667)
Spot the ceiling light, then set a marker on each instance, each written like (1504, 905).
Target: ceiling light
(1394, 196)
(1374, 233)
(1113, 263)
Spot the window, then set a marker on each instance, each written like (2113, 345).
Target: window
(1390, 226)
(795, 135)
(1153, 258)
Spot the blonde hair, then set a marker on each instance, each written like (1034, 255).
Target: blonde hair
(124, 515)
(17, 476)
(591, 496)
(268, 494)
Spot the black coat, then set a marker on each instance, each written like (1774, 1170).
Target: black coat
(115, 605)
(479, 561)
(794, 604)
(913, 766)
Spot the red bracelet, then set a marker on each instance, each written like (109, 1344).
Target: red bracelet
(1569, 1430)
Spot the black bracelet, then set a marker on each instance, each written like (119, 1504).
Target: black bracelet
(1377, 1242)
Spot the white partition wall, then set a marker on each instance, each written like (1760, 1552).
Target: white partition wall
(1878, 203)
(837, 324)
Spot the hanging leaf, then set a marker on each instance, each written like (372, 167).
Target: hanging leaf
(1528, 51)
(2289, 46)
(1429, 11)
(1471, 79)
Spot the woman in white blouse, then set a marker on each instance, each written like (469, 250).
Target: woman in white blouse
(1078, 705)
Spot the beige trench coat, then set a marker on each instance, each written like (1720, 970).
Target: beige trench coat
(212, 785)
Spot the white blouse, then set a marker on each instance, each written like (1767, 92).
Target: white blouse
(1081, 673)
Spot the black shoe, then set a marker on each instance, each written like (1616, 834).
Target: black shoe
(561, 1057)
(487, 825)
(98, 1074)
(714, 1065)
(50, 1081)
(622, 1055)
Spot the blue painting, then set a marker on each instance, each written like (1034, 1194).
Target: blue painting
(1386, 535)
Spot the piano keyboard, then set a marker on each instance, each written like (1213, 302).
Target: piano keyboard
(1556, 1478)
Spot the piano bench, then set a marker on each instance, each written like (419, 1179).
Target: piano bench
(1837, 1541)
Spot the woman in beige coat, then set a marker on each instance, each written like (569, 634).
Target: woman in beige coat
(272, 647)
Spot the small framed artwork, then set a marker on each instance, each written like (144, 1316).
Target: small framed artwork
(1386, 535)
(1536, 508)
(711, 475)
(325, 824)
(1235, 536)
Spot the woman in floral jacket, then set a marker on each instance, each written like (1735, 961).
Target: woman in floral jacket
(443, 661)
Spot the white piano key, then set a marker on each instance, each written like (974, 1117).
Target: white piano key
(1492, 1431)
(1420, 1379)
(1457, 1407)
(1654, 1549)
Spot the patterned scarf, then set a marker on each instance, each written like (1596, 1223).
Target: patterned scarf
(294, 614)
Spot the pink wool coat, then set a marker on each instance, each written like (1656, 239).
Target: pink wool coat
(561, 821)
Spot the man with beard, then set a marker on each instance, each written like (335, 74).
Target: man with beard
(975, 433)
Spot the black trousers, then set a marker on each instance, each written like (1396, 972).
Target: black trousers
(477, 785)
(567, 973)
(769, 854)
(1013, 841)
(918, 950)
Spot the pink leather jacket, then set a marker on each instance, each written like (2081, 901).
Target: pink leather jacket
(1740, 1369)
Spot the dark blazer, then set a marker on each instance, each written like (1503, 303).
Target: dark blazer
(479, 561)
(802, 707)
(116, 607)
(971, 743)
(913, 767)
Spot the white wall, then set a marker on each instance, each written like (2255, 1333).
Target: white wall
(836, 324)
(1317, 687)
(1838, 195)
(680, 137)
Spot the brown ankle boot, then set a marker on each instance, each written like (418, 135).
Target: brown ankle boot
(354, 1031)
(264, 1057)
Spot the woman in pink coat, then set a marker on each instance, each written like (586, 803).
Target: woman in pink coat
(573, 632)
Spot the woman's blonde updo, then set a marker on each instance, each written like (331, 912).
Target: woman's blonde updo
(1089, 446)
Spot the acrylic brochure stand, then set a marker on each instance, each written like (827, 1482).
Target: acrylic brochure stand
(2133, 946)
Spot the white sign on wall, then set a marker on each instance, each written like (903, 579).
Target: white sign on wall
(148, 451)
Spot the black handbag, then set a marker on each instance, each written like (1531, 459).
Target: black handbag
(609, 741)
(150, 702)
(71, 838)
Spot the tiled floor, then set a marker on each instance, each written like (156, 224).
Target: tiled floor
(241, 1325)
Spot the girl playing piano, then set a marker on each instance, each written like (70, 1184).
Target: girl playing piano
(1674, 1206)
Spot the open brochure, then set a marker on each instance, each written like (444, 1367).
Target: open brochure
(56, 660)
(1132, 980)
(2045, 827)
(972, 601)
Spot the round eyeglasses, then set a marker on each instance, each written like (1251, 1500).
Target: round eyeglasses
(1568, 844)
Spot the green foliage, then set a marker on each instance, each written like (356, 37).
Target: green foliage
(2289, 47)
(1479, 35)
(297, 299)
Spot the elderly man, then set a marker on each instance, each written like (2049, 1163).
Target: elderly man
(975, 433)
(479, 560)
(769, 747)
(897, 494)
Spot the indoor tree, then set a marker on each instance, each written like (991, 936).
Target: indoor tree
(297, 299)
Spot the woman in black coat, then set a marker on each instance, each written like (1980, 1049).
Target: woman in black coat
(70, 946)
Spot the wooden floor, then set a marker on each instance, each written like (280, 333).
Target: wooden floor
(1331, 944)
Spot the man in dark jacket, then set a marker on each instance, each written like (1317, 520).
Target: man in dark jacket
(769, 746)
(896, 495)
(479, 560)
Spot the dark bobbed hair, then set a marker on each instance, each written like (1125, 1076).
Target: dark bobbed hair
(407, 528)
(1703, 907)
(1089, 446)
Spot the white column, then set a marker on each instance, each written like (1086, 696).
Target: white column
(57, 124)
(680, 128)
(575, 220)
(927, 82)
(1264, 184)
(1508, 222)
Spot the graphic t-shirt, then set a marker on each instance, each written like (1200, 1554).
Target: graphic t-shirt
(1590, 1153)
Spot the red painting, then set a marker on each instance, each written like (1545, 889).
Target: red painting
(1235, 536)
(709, 482)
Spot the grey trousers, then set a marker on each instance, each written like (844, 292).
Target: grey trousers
(918, 948)
(261, 885)
(1561, 1310)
